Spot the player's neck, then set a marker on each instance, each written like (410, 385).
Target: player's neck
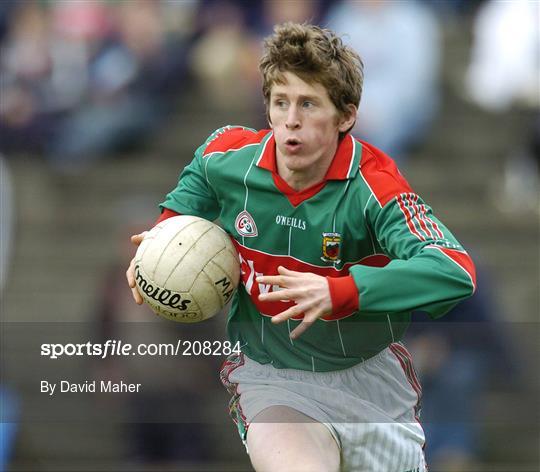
(301, 179)
(298, 180)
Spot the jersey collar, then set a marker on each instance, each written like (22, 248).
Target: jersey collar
(344, 165)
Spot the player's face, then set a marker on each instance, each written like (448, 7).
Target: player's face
(306, 127)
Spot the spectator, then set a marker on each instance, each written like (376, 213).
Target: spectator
(221, 58)
(504, 74)
(400, 46)
(82, 79)
(130, 78)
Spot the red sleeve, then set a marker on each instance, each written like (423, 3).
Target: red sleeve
(166, 213)
(344, 295)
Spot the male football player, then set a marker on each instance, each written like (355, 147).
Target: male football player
(336, 250)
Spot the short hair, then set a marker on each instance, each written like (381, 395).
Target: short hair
(316, 55)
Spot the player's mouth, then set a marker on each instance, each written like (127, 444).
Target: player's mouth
(293, 145)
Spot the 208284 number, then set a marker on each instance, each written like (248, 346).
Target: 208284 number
(210, 348)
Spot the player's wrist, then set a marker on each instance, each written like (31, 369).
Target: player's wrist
(344, 294)
(165, 214)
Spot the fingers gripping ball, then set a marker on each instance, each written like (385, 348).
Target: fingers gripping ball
(186, 269)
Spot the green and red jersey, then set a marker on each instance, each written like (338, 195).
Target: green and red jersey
(363, 221)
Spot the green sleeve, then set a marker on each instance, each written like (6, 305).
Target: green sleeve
(428, 268)
(193, 195)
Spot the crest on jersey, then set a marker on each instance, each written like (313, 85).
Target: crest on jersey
(331, 244)
(245, 225)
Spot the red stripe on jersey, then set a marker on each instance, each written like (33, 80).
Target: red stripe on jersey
(255, 263)
(381, 174)
(462, 259)
(420, 215)
(433, 224)
(233, 138)
(375, 260)
(408, 217)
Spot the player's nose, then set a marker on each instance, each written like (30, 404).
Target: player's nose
(293, 118)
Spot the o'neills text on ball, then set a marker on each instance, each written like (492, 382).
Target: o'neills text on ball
(161, 295)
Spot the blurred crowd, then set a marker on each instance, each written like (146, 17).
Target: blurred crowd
(81, 80)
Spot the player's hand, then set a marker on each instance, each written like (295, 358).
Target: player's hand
(130, 273)
(309, 291)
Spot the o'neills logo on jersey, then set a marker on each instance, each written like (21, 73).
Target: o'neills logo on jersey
(291, 221)
(245, 225)
(331, 244)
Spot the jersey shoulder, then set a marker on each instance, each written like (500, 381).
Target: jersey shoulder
(381, 174)
(231, 138)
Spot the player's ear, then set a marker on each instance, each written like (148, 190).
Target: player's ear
(347, 119)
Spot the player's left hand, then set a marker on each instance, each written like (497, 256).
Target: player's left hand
(136, 239)
(309, 291)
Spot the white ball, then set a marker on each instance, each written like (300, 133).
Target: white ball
(186, 269)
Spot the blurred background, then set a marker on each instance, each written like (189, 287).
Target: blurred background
(102, 104)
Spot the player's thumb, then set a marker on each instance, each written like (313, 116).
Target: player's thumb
(137, 238)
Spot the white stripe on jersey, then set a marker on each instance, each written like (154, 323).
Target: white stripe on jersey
(409, 216)
(211, 154)
(417, 216)
(352, 155)
(247, 191)
(289, 328)
(368, 186)
(289, 247)
(264, 147)
(434, 225)
(341, 339)
(367, 226)
(390, 326)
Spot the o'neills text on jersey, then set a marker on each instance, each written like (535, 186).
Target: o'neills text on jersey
(291, 221)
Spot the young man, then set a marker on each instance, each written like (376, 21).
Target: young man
(336, 251)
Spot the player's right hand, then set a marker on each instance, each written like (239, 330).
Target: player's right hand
(130, 273)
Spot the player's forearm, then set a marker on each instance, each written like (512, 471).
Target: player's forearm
(432, 281)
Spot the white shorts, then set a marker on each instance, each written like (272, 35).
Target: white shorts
(371, 409)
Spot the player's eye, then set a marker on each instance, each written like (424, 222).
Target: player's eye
(281, 104)
(307, 104)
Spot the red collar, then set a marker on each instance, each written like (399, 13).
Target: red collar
(341, 168)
